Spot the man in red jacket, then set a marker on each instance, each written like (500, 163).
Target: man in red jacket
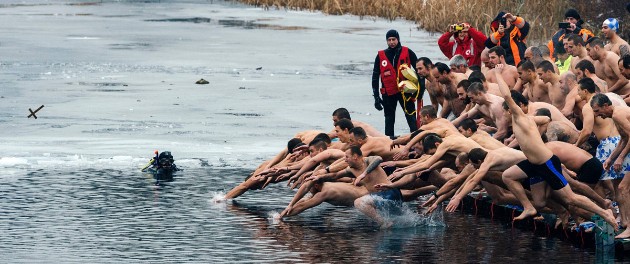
(467, 42)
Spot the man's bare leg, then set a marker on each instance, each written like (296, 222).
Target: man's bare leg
(623, 196)
(572, 199)
(499, 195)
(584, 189)
(511, 178)
(366, 205)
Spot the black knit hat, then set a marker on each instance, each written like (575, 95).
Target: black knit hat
(392, 33)
(572, 13)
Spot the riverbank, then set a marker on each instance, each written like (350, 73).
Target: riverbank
(435, 15)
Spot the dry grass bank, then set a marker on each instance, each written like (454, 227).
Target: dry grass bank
(435, 15)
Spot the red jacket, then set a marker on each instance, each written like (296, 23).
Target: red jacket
(470, 47)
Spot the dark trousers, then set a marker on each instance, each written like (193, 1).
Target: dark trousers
(389, 109)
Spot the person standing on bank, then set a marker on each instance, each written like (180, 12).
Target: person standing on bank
(386, 67)
(509, 32)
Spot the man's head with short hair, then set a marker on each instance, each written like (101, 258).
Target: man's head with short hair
(587, 85)
(476, 93)
(477, 75)
(359, 137)
(441, 72)
(341, 113)
(543, 112)
(477, 156)
(595, 48)
(485, 58)
(430, 143)
(462, 87)
(546, 71)
(293, 143)
(544, 51)
(526, 71)
(567, 81)
(428, 111)
(458, 64)
(424, 66)
(497, 55)
(533, 54)
(316, 147)
(602, 106)
(574, 44)
(354, 156)
(520, 100)
(560, 52)
(467, 127)
(461, 161)
(582, 67)
(342, 128)
(323, 137)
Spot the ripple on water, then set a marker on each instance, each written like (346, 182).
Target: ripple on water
(101, 216)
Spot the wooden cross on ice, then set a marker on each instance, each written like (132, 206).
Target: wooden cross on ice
(33, 113)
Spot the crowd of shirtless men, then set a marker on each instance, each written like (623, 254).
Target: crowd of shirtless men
(526, 135)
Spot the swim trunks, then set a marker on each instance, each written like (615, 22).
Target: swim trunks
(388, 201)
(591, 171)
(391, 195)
(604, 150)
(549, 172)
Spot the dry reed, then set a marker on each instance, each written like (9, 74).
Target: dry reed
(435, 15)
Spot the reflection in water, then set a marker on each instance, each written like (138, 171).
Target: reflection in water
(116, 216)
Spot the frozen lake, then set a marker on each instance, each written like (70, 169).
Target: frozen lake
(118, 79)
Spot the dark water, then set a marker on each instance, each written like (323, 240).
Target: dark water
(114, 216)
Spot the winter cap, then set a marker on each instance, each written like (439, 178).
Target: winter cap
(572, 13)
(392, 33)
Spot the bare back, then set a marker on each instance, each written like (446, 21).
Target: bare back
(379, 146)
(556, 115)
(369, 130)
(503, 158)
(342, 193)
(486, 141)
(571, 156)
(441, 126)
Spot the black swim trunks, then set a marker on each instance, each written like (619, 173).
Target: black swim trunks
(549, 172)
(389, 201)
(591, 171)
(391, 195)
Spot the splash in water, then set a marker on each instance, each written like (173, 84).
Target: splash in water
(274, 217)
(396, 215)
(218, 197)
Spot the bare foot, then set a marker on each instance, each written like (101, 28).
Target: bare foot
(526, 213)
(624, 234)
(563, 217)
(610, 219)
